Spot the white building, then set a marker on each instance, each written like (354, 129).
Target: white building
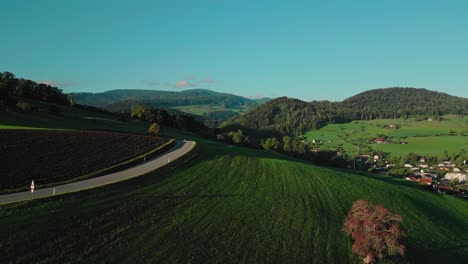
(451, 176)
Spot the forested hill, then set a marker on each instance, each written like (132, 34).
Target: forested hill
(123, 100)
(292, 116)
(397, 102)
(285, 115)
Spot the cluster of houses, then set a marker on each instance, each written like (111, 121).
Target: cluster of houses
(453, 181)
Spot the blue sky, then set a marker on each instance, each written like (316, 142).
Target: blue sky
(309, 50)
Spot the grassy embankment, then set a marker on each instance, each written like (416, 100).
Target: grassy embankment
(68, 118)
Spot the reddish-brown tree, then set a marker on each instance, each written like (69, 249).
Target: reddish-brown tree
(375, 230)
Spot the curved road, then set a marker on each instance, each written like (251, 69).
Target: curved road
(179, 150)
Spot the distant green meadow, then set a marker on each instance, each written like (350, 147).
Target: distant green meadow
(202, 110)
(429, 138)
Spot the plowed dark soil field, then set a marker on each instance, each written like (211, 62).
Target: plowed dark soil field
(57, 156)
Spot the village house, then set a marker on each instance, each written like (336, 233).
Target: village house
(459, 176)
(376, 158)
(427, 181)
(407, 165)
(392, 125)
(423, 160)
(411, 178)
(379, 140)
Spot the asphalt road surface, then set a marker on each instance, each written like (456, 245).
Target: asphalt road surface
(179, 150)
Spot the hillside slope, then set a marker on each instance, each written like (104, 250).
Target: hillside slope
(396, 102)
(229, 205)
(295, 117)
(116, 99)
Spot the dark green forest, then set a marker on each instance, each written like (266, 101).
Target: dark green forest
(403, 102)
(12, 88)
(294, 117)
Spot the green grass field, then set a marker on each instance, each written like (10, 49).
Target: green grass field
(202, 110)
(229, 205)
(423, 137)
(69, 118)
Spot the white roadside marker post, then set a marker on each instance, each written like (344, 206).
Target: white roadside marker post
(53, 191)
(32, 189)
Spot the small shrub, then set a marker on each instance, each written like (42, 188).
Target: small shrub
(24, 106)
(375, 231)
(154, 129)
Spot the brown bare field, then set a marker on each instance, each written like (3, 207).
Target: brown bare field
(49, 156)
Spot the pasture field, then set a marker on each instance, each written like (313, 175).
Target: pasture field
(202, 110)
(429, 138)
(229, 205)
(68, 118)
(57, 156)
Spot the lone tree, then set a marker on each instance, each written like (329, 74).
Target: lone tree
(375, 231)
(154, 129)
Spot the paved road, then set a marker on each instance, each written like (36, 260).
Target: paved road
(180, 149)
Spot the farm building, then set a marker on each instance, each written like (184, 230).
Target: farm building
(459, 176)
(427, 181)
(379, 140)
(411, 178)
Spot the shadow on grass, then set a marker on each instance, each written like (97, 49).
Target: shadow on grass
(187, 197)
(456, 251)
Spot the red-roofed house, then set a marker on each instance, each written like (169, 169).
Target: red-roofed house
(425, 181)
(379, 140)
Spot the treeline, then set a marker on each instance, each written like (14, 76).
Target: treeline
(12, 89)
(292, 146)
(294, 117)
(290, 116)
(162, 117)
(403, 102)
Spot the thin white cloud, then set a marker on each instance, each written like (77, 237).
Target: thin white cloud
(182, 84)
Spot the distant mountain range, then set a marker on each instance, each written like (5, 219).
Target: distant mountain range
(293, 116)
(124, 100)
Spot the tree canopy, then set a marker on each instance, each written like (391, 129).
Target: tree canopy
(12, 87)
(294, 117)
